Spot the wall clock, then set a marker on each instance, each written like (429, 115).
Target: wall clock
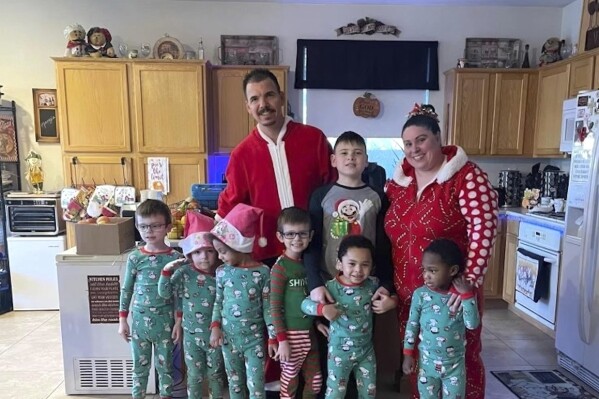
(168, 48)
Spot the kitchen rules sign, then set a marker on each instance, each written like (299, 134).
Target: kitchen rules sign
(158, 174)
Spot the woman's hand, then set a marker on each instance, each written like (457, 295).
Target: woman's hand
(408, 365)
(321, 295)
(216, 337)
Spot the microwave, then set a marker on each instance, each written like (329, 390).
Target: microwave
(568, 125)
(34, 214)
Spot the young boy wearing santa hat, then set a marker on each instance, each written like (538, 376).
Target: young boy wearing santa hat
(193, 280)
(242, 306)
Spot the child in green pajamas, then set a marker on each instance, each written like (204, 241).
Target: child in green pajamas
(297, 350)
(441, 366)
(151, 314)
(194, 284)
(350, 331)
(242, 305)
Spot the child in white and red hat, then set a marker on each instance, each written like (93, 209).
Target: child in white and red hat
(193, 280)
(242, 306)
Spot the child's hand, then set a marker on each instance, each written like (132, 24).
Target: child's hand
(124, 329)
(324, 330)
(174, 264)
(330, 312)
(462, 285)
(284, 352)
(216, 337)
(408, 365)
(177, 332)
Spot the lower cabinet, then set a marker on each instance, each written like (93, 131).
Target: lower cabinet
(494, 276)
(509, 269)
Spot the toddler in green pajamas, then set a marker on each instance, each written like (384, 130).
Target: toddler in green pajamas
(151, 314)
(193, 283)
(242, 305)
(350, 331)
(441, 367)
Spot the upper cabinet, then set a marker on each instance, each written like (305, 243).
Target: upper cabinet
(487, 110)
(168, 107)
(93, 106)
(105, 105)
(231, 121)
(553, 90)
(581, 75)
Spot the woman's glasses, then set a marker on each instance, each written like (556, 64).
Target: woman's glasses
(290, 235)
(150, 227)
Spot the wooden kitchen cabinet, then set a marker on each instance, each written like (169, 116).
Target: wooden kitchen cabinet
(553, 90)
(97, 169)
(509, 270)
(168, 107)
(93, 106)
(487, 112)
(493, 283)
(581, 75)
(231, 121)
(184, 170)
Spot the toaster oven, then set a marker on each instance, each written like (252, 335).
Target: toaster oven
(34, 214)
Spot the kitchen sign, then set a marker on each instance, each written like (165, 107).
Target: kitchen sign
(103, 295)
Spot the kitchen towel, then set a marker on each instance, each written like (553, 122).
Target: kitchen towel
(532, 275)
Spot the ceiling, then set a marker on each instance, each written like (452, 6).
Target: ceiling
(521, 3)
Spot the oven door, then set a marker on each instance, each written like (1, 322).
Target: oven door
(543, 310)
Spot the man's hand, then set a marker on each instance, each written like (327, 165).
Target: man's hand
(177, 331)
(321, 295)
(284, 352)
(382, 301)
(330, 312)
(462, 285)
(124, 330)
(324, 330)
(408, 365)
(216, 337)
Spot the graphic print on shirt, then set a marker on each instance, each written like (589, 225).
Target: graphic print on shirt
(348, 217)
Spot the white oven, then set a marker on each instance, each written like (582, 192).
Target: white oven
(537, 272)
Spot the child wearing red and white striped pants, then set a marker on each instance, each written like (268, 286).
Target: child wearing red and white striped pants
(297, 350)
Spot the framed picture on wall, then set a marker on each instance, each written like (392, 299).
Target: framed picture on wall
(8, 135)
(46, 116)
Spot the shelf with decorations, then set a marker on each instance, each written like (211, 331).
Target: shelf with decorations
(9, 181)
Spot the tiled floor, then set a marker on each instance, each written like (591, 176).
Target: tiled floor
(31, 359)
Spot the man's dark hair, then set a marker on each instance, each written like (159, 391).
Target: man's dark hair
(293, 215)
(350, 137)
(152, 207)
(448, 251)
(258, 75)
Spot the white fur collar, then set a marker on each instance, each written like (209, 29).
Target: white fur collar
(450, 168)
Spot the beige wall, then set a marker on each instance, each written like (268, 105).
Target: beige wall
(32, 33)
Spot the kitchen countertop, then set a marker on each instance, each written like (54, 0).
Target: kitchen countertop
(522, 214)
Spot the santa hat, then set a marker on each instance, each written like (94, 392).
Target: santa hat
(238, 228)
(197, 227)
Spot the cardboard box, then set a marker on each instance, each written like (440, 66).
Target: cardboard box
(112, 238)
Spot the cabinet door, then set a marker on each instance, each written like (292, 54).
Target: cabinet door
(509, 270)
(494, 276)
(508, 115)
(581, 75)
(93, 106)
(183, 172)
(232, 123)
(553, 90)
(168, 103)
(470, 112)
(97, 169)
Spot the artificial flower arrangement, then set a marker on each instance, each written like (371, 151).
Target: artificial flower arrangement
(531, 198)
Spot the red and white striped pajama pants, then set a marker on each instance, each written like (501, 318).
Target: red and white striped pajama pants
(304, 357)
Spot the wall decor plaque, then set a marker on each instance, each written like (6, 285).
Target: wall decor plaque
(249, 50)
(492, 53)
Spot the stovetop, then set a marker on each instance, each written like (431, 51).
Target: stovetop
(551, 215)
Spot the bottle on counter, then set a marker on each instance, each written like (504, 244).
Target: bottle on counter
(201, 50)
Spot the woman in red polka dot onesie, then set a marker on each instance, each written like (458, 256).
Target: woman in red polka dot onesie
(437, 193)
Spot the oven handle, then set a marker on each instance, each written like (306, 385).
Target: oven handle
(550, 260)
